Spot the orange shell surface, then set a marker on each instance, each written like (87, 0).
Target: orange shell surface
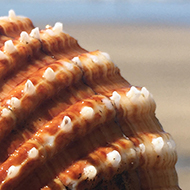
(69, 120)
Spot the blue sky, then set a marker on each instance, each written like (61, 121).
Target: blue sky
(156, 12)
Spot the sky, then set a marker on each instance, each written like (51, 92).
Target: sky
(98, 11)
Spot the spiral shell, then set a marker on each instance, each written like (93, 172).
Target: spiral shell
(69, 120)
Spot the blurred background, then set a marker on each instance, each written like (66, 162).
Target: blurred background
(148, 40)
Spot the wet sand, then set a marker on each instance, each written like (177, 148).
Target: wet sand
(157, 57)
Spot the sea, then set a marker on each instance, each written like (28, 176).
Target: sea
(173, 12)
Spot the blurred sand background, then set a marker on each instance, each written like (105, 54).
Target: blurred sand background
(157, 57)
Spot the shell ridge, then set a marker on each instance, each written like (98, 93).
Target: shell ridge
(72, 121)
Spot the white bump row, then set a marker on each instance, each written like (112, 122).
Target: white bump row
(94, 58)
(97, 59)
(56, 30)
(89, 173)
(159, 143)
(50, 74)
(142, 99)
(13, 104)
(134, 93)
(65, 126)
(10, 48)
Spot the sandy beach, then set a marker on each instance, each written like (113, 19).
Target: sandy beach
(157, 57)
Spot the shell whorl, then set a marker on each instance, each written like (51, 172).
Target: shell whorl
(69, 120)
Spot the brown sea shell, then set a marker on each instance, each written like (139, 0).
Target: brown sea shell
(70, 121)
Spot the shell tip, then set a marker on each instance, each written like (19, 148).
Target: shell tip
(49, 74)
(12, 14)
(35, 33)
(29, 87)
(9, 46)
(24, 37)
(58, 27)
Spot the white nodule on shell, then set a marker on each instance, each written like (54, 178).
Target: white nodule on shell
(68, 65)
(77, 61)
(108, 103)
(116, 98)
(58, 27)
(13, 171)
(15, 102)
(171, 144)
(24, 37)
(35, 33)
(94, 58)
(87, 112)
(90, 172)
(66, 124)
(158, 144)
(9, 47)
(12, 14)
(106, 55)
(72, 183)
(33, 153)
(6, 112)
(49, 74)
(2, 55)
(29, 87)
(50, 32)
(142, 148)
(145, 92)
(114, 158)
(133, 94)
(49, 140)
(132, 153)
(48, 26)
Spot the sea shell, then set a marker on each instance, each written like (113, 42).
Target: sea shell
(70, 121)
